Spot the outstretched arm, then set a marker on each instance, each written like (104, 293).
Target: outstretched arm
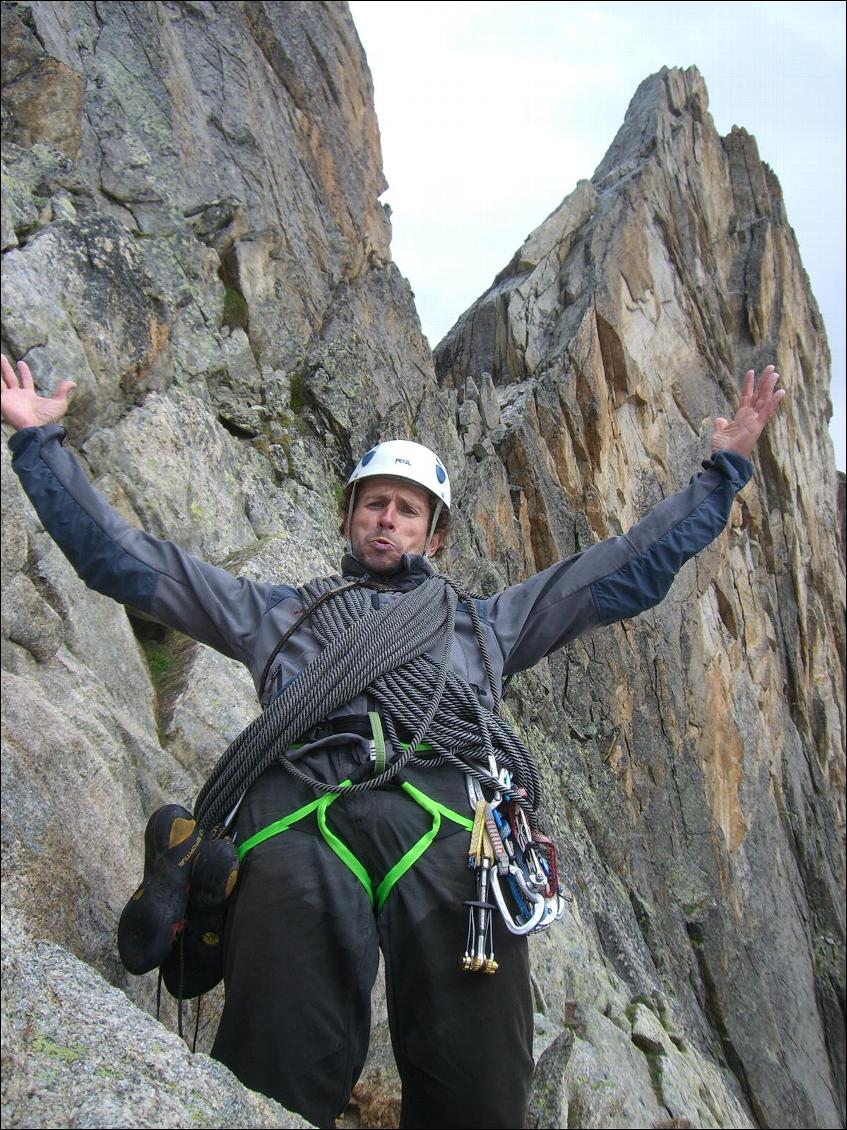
(622, 576)
(758, 403)
(145, 573)
(22, 406)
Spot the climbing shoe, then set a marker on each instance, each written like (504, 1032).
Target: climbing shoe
(155, 914)
(195, 964)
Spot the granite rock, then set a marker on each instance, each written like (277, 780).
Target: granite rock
(191, 229)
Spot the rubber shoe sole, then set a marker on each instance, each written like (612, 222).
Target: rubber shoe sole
(195, 964)
(154, 916)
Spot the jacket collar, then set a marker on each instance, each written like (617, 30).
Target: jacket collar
(412, 570)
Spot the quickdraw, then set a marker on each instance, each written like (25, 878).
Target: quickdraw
(515, 865)
(479, 947)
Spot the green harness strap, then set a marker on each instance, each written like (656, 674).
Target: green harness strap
(407, 861)
(378, 742)
(344, 853)
(436, 809)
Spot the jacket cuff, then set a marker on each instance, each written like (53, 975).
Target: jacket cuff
(34, 438)
(734, 467)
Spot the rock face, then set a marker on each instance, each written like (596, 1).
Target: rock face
(191, 229)
(81, 1049)
(707, 738)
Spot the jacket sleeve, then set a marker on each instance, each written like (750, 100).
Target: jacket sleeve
(155, 577)
(618, 577)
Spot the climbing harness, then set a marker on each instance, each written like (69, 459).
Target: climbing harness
(377, 894)
(383, 652)
(459, 730)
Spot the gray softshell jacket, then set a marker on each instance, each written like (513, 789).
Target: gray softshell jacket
(612, 580)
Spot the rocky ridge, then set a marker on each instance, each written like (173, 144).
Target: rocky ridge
(613, 337)
(191, 227)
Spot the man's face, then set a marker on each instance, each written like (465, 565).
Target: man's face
(391, 517)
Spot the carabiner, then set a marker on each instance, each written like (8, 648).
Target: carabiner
(512, 926)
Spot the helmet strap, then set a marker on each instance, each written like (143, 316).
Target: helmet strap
(351, 505)
(436, 514)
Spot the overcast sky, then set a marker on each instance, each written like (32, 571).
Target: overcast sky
(491, 112)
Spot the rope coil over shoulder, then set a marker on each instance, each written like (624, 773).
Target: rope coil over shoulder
(381, 651)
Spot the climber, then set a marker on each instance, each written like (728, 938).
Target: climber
(307, 917)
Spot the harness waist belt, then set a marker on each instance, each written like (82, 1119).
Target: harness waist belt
(351, 724)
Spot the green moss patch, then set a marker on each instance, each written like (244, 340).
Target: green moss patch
(159, 659)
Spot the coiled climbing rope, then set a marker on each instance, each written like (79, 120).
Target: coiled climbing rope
(381, 651)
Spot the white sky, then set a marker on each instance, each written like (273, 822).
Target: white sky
(491, 111)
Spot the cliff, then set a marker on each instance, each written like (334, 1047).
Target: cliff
(713, 729)
(191, 230)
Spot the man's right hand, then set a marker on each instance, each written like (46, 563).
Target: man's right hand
(22, 406)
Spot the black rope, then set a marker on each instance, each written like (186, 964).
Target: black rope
(381, 651)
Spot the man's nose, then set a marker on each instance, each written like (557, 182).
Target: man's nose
(388, 516)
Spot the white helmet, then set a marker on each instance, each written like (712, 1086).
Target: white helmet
(402, 459)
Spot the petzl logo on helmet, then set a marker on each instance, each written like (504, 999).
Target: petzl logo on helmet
(408, 462)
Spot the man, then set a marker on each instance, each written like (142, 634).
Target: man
(325, 879)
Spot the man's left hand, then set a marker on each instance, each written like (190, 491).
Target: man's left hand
(758, 403)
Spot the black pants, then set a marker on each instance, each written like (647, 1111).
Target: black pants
(302, 955)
